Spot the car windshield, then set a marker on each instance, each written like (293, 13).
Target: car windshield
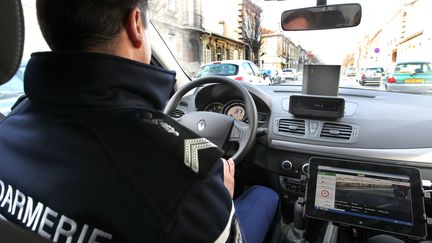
(204, 31)
(392, 34)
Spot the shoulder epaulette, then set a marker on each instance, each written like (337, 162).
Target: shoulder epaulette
(197, 153)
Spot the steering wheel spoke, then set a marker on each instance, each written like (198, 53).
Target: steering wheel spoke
(238, 131)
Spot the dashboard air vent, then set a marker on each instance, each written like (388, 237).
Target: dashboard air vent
(292, 126)
(176, 113)
(336, 131)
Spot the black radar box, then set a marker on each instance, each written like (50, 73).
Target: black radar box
(317, 106)
(321, 80)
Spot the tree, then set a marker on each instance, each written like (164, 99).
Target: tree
(252, 35)
(313, 58)
(348, 60)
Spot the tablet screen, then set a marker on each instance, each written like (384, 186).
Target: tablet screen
(364, 194)
(367, 195)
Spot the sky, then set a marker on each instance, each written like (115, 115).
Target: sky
(331, 46)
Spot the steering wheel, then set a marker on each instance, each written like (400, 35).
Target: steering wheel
(216, 127)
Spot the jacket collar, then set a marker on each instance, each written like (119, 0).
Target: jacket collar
(92, 80)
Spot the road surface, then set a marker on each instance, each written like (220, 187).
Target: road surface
(348, 82)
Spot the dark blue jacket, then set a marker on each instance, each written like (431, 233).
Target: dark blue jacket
(88, 157)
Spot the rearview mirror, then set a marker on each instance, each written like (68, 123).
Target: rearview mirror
(322, 17)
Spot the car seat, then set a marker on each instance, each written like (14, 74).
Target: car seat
(11, 49)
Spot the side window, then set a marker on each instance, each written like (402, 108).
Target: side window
(193, 51)
(207, 54)
(247, 68)
(428, 68)
(255, 69)
(236, 54)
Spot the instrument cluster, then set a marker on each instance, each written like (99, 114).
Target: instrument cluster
(233, 108)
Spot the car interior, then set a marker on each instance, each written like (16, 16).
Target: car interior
(348, 164)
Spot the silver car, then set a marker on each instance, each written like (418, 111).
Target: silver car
(371, 75)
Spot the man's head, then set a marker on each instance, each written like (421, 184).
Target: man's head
(299, 20)
(299, 23)
(116, 27)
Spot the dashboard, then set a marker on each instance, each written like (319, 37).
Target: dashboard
(377, 127)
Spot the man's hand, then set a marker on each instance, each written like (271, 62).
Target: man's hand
(229, 170)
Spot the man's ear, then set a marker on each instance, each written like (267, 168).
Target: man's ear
(134, 28)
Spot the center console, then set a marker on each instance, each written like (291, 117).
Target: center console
(291, 175)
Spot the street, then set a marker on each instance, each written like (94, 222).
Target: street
(350, 82)
(347, 82)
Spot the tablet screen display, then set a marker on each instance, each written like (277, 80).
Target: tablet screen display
(364, 194)
(376, 196)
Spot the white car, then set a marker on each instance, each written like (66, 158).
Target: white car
(289, 73)
(240, 70)
(350, 72)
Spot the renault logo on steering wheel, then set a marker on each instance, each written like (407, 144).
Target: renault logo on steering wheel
(201, 125)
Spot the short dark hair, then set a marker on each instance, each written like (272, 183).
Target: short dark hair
(79, 25)
(301, 13)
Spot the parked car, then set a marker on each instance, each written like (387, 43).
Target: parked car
(411, 77)
(240, 70)
(371, 75)
(350, 72)
(289, 73)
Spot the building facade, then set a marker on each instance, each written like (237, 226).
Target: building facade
(181, 26)
(280, 52)
(196, 35)
(249, 18)
(404, 37)
(220, 39)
